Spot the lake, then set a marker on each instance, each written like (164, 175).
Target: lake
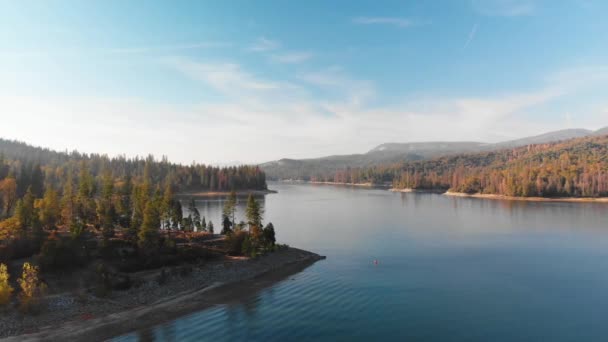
(458, 269)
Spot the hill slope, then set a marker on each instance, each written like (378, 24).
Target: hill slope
(326, 167)
(573, 168)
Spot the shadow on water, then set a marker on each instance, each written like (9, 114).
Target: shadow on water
(243, 297)
(450, 269)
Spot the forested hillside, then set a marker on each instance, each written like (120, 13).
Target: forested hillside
(573, 168)
(37, 166)
(386, 154)
(42, 189)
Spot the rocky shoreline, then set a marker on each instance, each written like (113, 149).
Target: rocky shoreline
(187, 289)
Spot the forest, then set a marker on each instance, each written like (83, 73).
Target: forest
(571, 168)
(62, 211)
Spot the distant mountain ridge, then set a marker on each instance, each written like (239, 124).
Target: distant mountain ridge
(390, 153)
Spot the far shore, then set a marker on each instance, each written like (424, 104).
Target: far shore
(151, 304)
(530, 199)
(226, 193)
(363, 185)
(423, 191)
(366, 185)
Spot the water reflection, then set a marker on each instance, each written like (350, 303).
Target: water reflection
(211, 207)
(450, 269)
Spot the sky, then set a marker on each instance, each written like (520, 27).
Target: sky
(229, 81)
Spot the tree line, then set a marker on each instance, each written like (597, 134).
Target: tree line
(572, 168)
(42, 191)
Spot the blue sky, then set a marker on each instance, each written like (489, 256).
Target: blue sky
(252, 81)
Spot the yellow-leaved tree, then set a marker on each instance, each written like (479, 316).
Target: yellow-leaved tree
(5, 287)
(32, 289)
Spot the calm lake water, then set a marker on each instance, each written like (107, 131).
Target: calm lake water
(456, 269)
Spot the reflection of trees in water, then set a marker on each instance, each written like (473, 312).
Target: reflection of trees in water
(146, 335)
(404, 199)
(211, 208)
(251, 305)
(167, 332)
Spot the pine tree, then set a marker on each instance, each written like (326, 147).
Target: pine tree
(253, 212)
(230, 207)
(26, 214)
(167, 206)
(68, 210)
(8, 188)
(50, 209)
(85, 203)
(139, 200)
(226, 225)
(106, 212)
(195, 215)
(210, 227)
(177, 214)
(124, 205)
(148, 233)
(269, 235)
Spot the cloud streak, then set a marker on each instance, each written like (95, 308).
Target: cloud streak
(504, 8)
(263, 44)
(392, 21)
(292, 57)
(471, 36)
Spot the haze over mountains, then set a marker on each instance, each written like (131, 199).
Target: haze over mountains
(388, 153)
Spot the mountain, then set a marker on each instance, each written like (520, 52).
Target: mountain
(601, 131)
(565, 134)
(390, 153)
(576, 167)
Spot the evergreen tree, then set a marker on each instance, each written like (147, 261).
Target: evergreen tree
(85, 204)
(176, 214)
(167, 207)
(26, 214)
(68, 210)
(210, 227)
(226, 225)
(124, 205)
(106, 212)
(8, 189)
(148, 233)
(195, 215)
(269, 235)
(50, 210)
(253, 213)
(139, 200)
(230, 207)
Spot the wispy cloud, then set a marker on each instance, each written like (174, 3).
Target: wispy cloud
(226, 77)
(135, 49)
(257, 117)
(169, 47)
(471, 36)
(394, 21)
(504, 8)
(292, 57)
(263, 44)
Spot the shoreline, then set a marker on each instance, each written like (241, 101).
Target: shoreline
(420, 191)
(365, 185)
(151, 304)
(530, 199)
(226, 193)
